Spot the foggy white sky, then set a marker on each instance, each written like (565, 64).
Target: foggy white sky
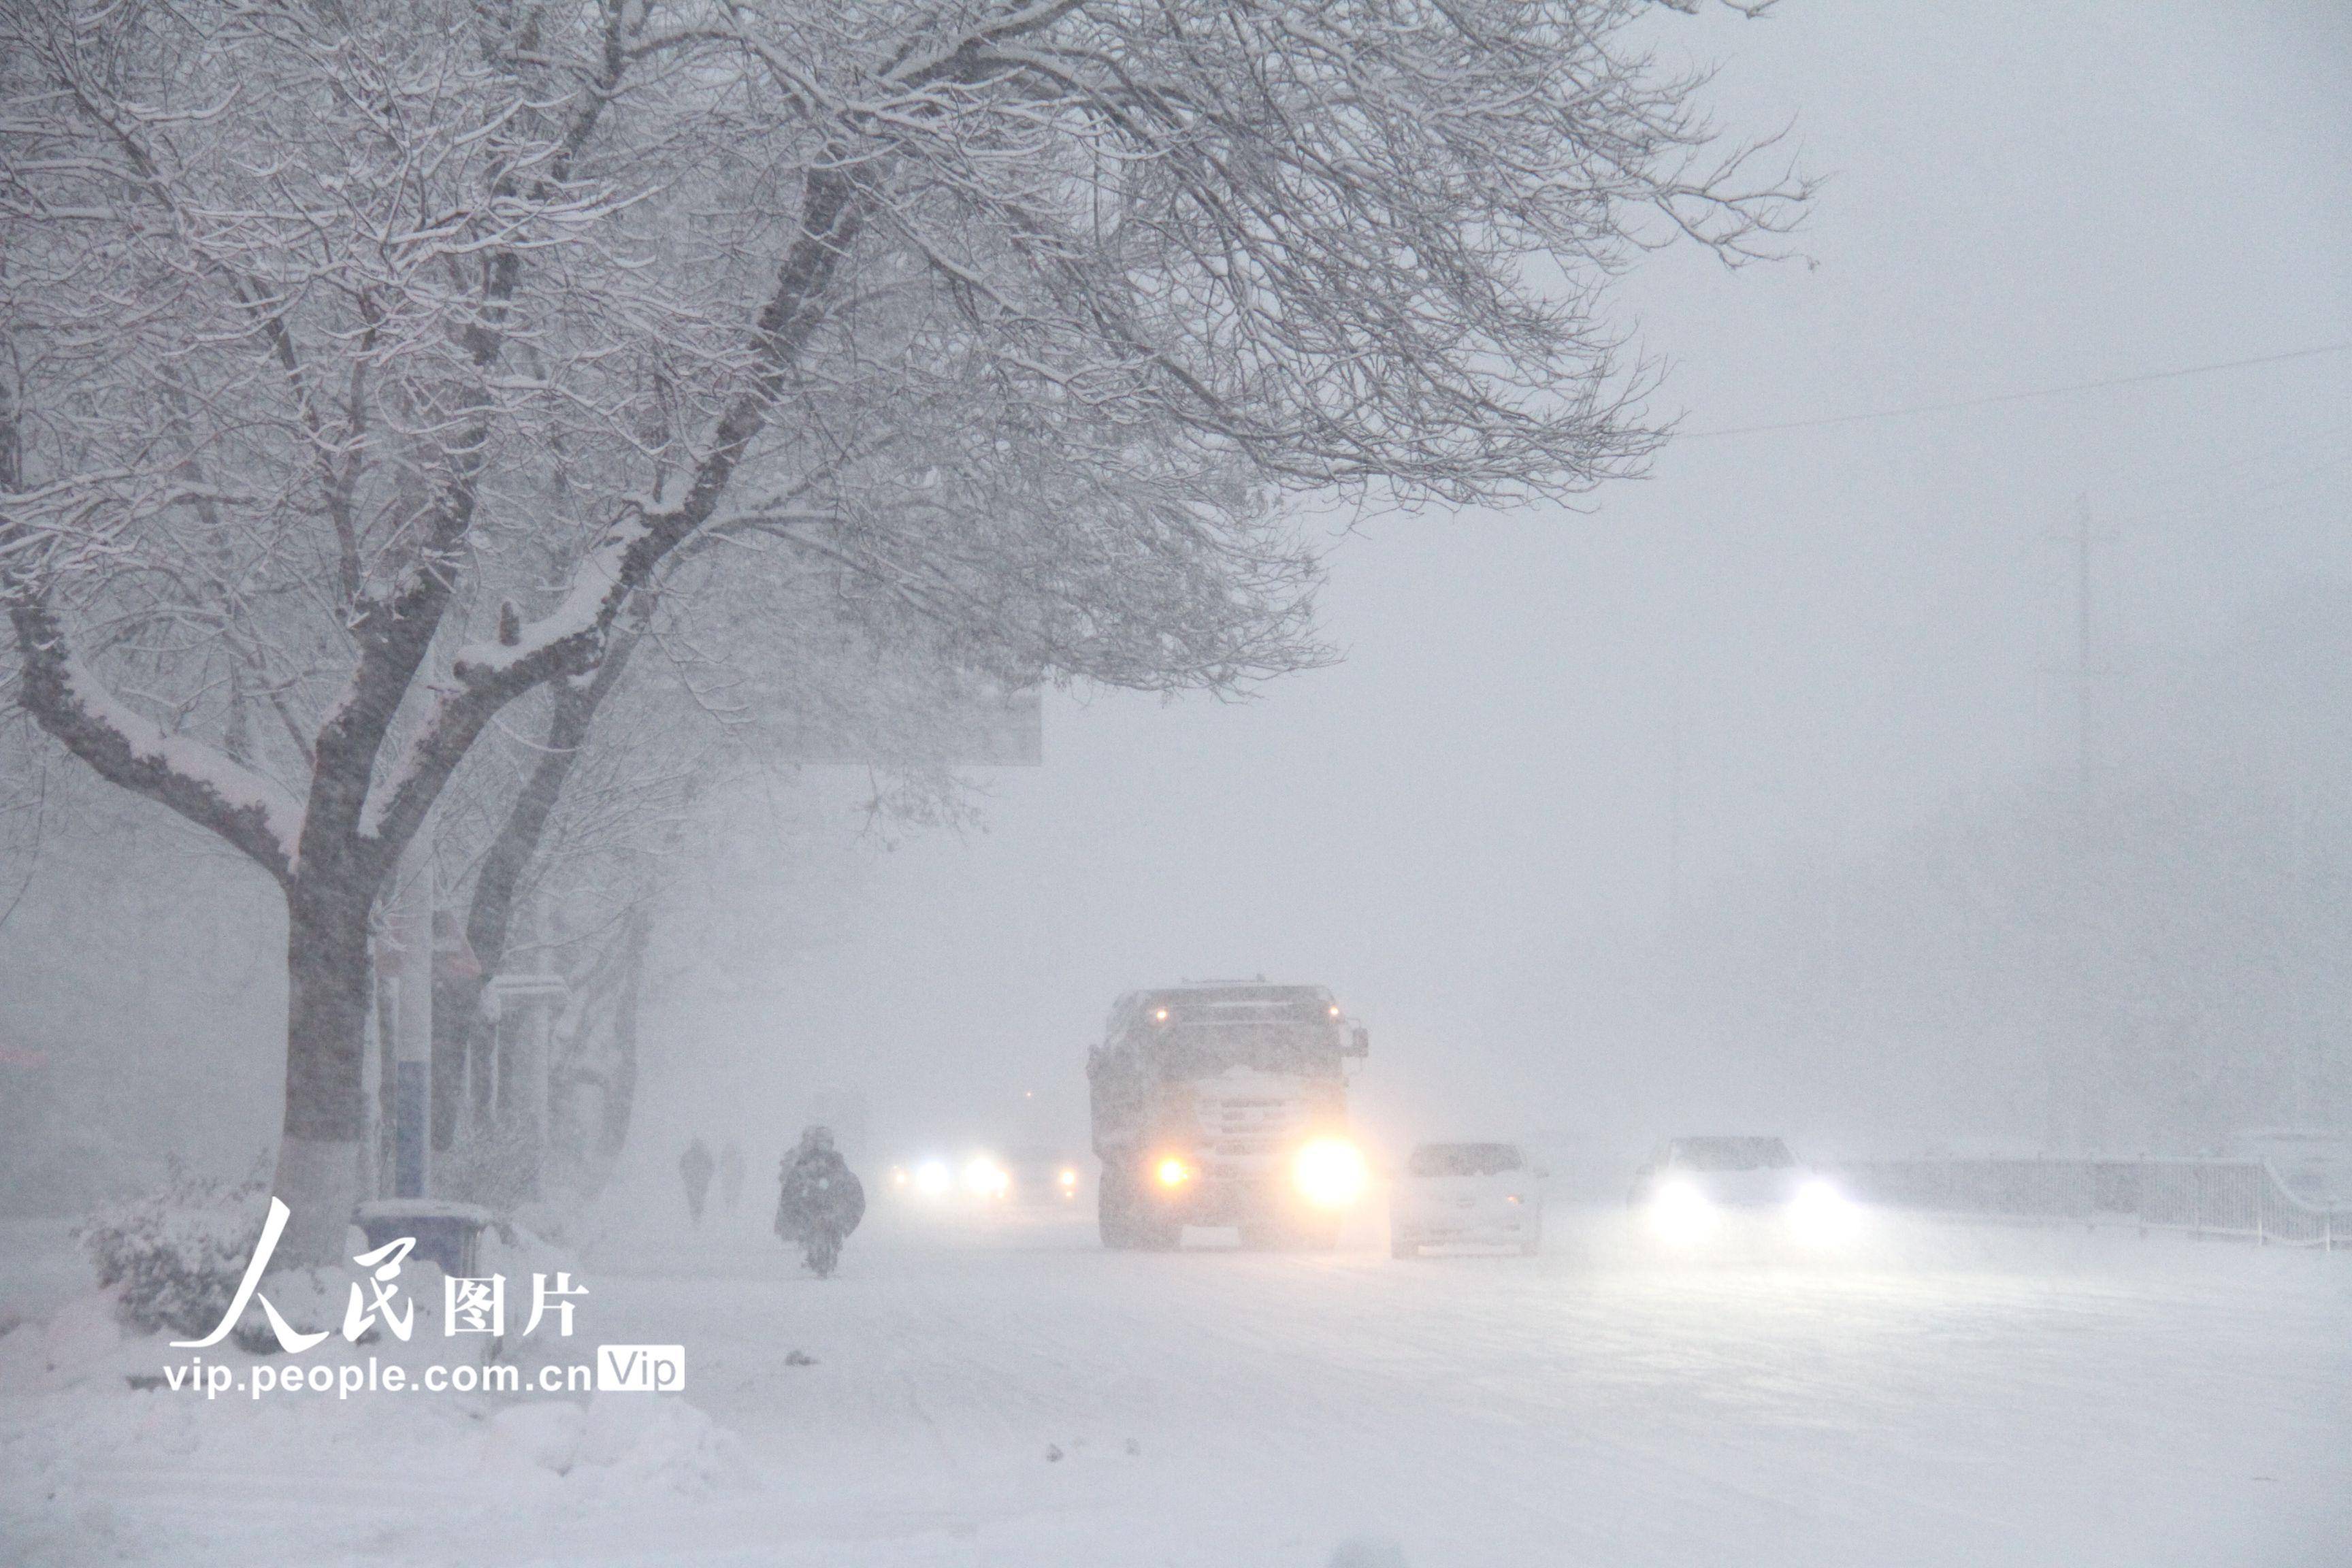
(1457, 826)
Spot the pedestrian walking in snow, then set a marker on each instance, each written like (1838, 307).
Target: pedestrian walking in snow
(693, 1168)
(821, 1200)
(730, 1175)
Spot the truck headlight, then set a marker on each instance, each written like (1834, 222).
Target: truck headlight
(1330, 1173)
(1680, 1213)
(1173, 1173)
(984, 1178)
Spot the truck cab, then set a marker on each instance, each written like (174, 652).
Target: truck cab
(1225, 1104)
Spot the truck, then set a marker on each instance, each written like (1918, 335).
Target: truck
(1225, 1103)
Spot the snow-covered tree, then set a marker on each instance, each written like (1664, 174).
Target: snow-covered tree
(561, 844)
(367, 363)
(2144, 956)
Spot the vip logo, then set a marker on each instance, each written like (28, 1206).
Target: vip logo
(640, 1369)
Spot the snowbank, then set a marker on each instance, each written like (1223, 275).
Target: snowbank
(91, 1433)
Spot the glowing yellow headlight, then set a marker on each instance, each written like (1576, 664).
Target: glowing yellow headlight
(984, 1178)
(1173, 1171)
(1330, 1173)
(1069, 1180)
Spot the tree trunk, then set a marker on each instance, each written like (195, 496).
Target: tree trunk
(327, 978)
(454, 1000)
(460, 1032)
(621, 1090)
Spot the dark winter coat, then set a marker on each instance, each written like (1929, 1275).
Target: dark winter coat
(820, 1191)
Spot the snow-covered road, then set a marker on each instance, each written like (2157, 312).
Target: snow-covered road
(1013, 1396)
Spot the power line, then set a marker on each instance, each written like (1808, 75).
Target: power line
(2020, 396)
(2234, 502)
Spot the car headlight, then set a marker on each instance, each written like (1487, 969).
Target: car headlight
(1821, 1216)
(933, 1179)
(1173, 1173)
(984, 1178)
(1680, 1213)
(1330, 1173)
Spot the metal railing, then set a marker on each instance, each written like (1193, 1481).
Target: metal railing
(2238, 1198)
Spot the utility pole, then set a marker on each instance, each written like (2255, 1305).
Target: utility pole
(2062, 1088)
(1675, 809)
(412, 1042)
(2083, 698)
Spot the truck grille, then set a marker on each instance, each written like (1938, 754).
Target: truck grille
(1252, 1128)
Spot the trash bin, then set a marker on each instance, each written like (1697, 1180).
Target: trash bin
(446, 1234)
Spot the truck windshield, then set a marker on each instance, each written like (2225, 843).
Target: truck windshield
(1284, 1046)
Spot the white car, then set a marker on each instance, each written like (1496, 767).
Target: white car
(1466, 1193)
(1692, 1187)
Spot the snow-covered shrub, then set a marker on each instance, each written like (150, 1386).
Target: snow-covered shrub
(178, 1253)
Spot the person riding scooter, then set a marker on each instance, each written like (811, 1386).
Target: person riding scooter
(821, 1201)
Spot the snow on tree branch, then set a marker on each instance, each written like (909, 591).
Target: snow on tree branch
(125, 747)
(346, 343)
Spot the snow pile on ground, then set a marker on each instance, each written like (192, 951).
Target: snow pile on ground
(636, 1442)
(82, 1340)
(91, 1434)
(620, 1447)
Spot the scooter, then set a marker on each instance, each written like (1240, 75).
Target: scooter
(820, 1214)
(821, 1249)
